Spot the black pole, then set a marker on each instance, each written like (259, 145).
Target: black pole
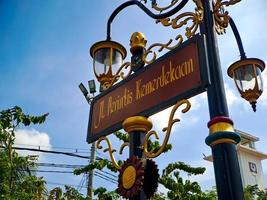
(136, 141)
(137, 137)
(226, 167)
(237, 38)
(145, 9)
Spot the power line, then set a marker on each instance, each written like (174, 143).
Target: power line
(77, 150)
(106, 179)
(70, 166)
(51, 171)
(54, 152)
(59, 165)
(55, 183)
(108, 173)
(81, 182)
(100, 174)
(48, 151)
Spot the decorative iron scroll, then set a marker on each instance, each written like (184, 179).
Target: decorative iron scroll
(109, 149)
(177, 22)
(125, 144)
(221, 17)
(160, 9)
(119, 74)
(151, 154)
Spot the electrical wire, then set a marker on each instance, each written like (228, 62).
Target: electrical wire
(108, 173)
(59, 165)
(51, 171)
(70, 166)
(48, 151)
(99, 174)
(81, 182)
(77, 150)
(55, 183)
(105, 176)
(54, 152)
(106, 179)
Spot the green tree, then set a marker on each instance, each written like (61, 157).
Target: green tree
(252, 192)
(15, 179)
(170, 178)
(70, 193)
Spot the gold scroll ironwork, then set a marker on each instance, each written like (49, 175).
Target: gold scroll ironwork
(151, 154)
(160, 9)
(221, 17)
(177, 22)
(119, 74)
(109, 149)
(125, 144)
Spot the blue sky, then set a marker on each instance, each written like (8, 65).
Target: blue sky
(44, 55)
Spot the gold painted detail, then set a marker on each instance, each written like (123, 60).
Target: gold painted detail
(195, 18)
(166, 129)
(137, 41)
(223, 140)
(125, 144)
(119, 74)
(109, 149)
(160, 9)
(221, 126)
(221, 17)
(128, 177)
(137, 123)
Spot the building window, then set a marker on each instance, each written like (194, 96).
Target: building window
(252, 145)
(252, 167)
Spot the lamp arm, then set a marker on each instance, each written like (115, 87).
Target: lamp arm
(145, 9)
(238, 38)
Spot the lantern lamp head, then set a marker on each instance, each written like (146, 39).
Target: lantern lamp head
(247, 76)
(107, 57)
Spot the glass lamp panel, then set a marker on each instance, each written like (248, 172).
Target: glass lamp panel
(259, 78)
(116, 60)
(245, 78)
(102, 60)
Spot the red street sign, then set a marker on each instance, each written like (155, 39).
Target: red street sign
(181, 73)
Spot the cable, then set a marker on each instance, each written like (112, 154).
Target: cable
(47, 151)
(50, 171)
(71, 172)
(81, 182)
(105, 179)
(59, 165)
(108, 173)
(103, 175)
(55, 152)
(55, 183)
(77, 150)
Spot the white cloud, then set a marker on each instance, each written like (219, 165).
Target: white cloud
(31, 138)
(160, 120)
(208, 174)
(230, 96)
(263, 98)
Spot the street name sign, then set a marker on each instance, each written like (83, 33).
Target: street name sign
(180, 73)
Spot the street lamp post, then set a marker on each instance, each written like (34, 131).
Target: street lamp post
(226, 167)
(222, 138)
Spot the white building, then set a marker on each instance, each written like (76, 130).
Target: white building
(249, 160)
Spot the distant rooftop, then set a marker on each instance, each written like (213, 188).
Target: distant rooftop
(246, 138)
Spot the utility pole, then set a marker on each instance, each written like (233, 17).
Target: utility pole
(91, 174)
(89, 98)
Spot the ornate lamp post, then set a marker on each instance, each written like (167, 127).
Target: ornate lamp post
(108, 58)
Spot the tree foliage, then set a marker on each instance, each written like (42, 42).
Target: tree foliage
(252, 192)
(16, 182)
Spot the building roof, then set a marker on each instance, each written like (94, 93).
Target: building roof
(245, 137)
